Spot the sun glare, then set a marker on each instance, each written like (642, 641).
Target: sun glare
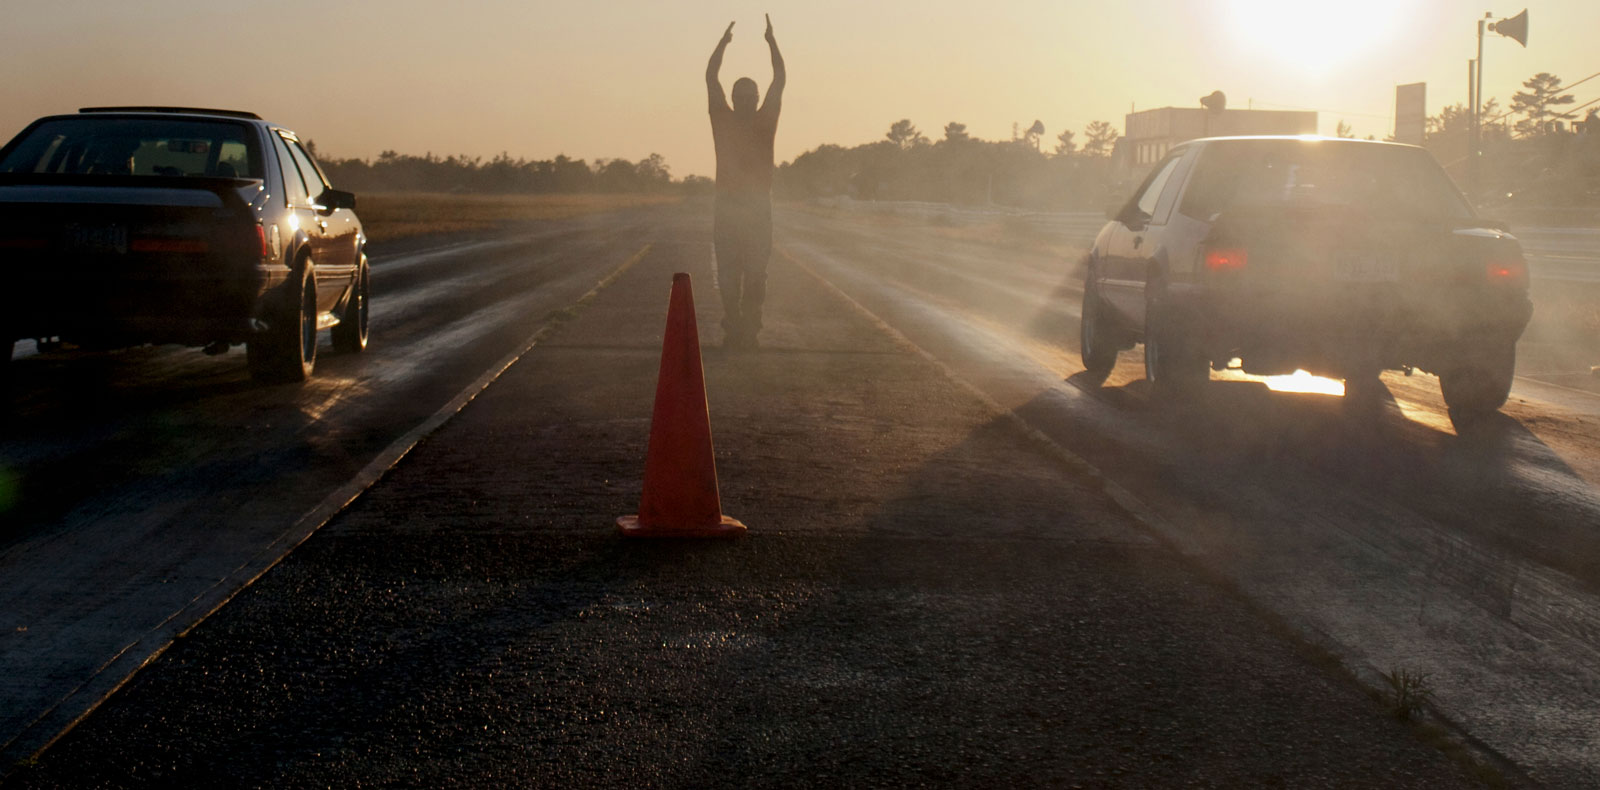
(1313, 37)
(1301, 381)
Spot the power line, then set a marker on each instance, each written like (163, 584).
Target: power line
(1596, 100)
(1581, 106)
(1579, 82)
(1553, 90)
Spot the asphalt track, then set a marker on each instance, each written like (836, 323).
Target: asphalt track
(154, 482)
(1392, 540)
(148, 485)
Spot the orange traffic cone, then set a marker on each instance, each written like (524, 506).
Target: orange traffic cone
(680, 475)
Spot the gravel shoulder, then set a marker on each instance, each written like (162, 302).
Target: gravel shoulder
(924, 598)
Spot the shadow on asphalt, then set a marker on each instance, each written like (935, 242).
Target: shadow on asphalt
(1495, 479)
(71, 387)
(996, 622)
(114, 434)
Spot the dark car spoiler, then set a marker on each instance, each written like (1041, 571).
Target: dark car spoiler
(226, 189)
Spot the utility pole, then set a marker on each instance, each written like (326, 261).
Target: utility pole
(1472, 103)
(1514, 28)
(1475, 95)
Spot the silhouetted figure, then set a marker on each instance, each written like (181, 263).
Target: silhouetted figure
(743, 220)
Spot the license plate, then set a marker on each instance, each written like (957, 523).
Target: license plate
(98, 238)
(1366, 269)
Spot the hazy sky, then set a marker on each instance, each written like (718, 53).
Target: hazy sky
(623, 78)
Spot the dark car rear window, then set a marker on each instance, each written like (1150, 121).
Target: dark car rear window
(1381, 179)
(138, 147)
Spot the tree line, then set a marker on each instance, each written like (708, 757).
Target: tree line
(960, 168)
(396, 172)
(1539, 152)
(905, 165)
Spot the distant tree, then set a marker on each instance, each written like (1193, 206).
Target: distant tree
(976, 172)
(1101, 137)
(1455, 119)
(956, 132)
(653, 171)
(697, 185)
(571, 175)
(1536, 103)
(1065, 145)
(1343, 130)
(826, 170)
(1494, 127)
(904, 135)
(1451, 118)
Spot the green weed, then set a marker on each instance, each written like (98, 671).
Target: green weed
(1410, 691)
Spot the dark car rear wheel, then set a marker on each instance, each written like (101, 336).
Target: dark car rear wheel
(287, 350)
(1173, 365)
(1364, 391)
(1098, 342)
(350, 336)
(1477, 388)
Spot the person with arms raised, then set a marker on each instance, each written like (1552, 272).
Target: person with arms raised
(742, 224)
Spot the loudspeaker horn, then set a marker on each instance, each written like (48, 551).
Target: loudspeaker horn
(1516, 27)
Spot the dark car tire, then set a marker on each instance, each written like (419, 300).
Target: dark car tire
(1364, 392)
(1478, 388)
(1098, 341)
(350, 335)
(1172, 365)
(287, 351)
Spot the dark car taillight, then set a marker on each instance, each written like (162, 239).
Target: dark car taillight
(261, 238)
(1509, 272)
(1226, 259)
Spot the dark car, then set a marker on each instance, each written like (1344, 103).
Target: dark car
(129, 225)
(1340, 257)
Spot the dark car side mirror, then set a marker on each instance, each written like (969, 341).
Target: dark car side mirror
(334, 199)
(1133, 217)
(1127, 212)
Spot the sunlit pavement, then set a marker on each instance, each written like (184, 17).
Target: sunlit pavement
(1383, 534)
(928, 595)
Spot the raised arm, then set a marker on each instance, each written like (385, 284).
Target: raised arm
(718, 99)
(774, 98)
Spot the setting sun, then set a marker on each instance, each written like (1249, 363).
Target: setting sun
(1313, 38)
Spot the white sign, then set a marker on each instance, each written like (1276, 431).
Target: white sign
(1410, 112)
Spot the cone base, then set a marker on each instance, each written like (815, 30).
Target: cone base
(630, 527)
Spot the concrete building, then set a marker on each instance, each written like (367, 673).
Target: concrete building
(1149, 133)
